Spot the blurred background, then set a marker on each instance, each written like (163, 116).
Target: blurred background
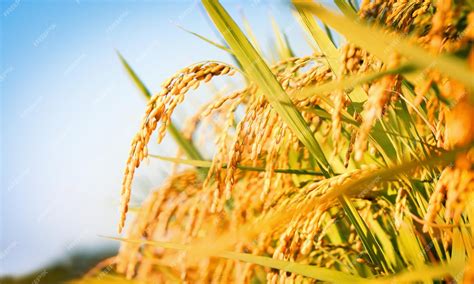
(69, 111)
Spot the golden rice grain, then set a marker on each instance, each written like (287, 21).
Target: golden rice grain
(379, 95)
(160, 108)
(460, 124)
(437, 197)
(469, 270)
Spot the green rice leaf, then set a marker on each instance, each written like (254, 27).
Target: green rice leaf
(328, 48)
(349, 82)
(325, 44)
(386, 244)
(258, 71)
(208, 164)
(370, 243)
(410, 248)
(425, 273)
(458, 255)
(323, 274)
(104, 278)
(250, 34)
(220, 46)
(284, 50)
(346, 8)
(136, 80)
(187, 146)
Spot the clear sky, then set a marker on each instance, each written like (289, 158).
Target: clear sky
(69, 111)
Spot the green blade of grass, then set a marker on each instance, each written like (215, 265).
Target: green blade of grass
(252, 38)
(383, 45)
(410, 248)
(329, 34)
(322, 40)
(458, 254)
(425, 274)
(136, 80)
(370, 243)
(328, 48)
(384, 236)
(349, 82)
(208, 164)
(323, 274)
(187, 146)
(284, 50)
(220, 46)
(104, 278)
(346, 8)
(258, 71)
(374, 133)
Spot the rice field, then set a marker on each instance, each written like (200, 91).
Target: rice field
(350, 164)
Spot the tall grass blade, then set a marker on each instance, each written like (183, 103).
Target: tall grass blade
(136, 80)
(328, 48)
(370, 243)
(346, 8)
(421, 274)
(258, 71)
(220, 46)
(323, 274)
(187, 146)
(349, 82)
(284, 50)
(208, 164)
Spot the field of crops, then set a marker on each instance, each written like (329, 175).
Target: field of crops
(350, 164)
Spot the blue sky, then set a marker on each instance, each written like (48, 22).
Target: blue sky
(68, 110)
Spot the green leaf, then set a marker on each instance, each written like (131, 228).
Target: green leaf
(187, 146)
(410, 247)
(458, 255)
(323, 41)
(258, 71)
(104, 278)
(284, 50)
(207, 164)
(220, 46)
(138, 83)
(384, 238)
(328, 48)
(425, 273)
(250, 34)
(370, 243)
(346, 8)
(349, 82)
(323, 274)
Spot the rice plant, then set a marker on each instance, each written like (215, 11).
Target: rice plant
(350, 164)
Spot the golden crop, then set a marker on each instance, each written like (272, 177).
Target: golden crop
(352, 164)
